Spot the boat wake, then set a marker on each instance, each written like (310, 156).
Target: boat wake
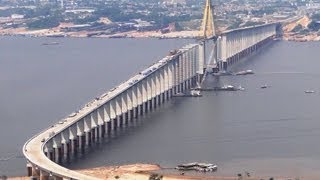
(8, 158)
(284, 72)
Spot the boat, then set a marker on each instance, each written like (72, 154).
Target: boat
(193, 93)
(244, 72)
(264, 86)
(202, 167)
(50, 43)
(226, 88)
(240, 88)
(309, 91)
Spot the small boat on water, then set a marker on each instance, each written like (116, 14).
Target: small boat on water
(240, 88)
(264, 86)
(195, 93)
(50, 43)
(249, 71)
(309, 91)
(226, 88)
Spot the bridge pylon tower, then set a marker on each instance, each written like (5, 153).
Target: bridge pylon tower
(208, 33)
(208, 29)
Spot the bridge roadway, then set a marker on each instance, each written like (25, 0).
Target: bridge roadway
(143, 92)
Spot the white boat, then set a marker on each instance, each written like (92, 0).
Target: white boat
(240, 88)
(249, 71)
(309, 91)
(195, 93)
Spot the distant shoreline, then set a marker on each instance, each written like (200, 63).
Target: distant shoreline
(52, 33)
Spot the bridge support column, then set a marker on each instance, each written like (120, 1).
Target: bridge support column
(155, 103)
(109, 127)
(35, 171)
(120, 120)
(134, 112)
(102, 130)
(54, 154)
(114, 124)
(93, 135)
(146, 107)
(126, 117)
(51, 154)
(131, 114)
(82, 143)
(44, 175)
(59, 155)
(67, 150)
(29, 169)
(150, 102)
(88, 138)
(74, 146)
(58, 178)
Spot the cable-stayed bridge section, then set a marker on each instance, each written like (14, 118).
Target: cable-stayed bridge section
(228, 47)
(235, 44)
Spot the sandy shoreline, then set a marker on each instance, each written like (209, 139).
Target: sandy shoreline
(153, 171)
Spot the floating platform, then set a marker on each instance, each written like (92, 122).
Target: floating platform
(195, 166)
(193, 93)
(223, 88)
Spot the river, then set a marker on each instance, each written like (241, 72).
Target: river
(267, 132)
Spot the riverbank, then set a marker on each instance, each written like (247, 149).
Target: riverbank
(289, 33)
(57, 32)
(153, 171)
(301, 38)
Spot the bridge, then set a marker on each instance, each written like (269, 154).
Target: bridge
(177, 72)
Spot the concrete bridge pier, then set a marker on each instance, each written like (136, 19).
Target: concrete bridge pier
(114, 124)
(74, 146)
(66, 151)
(57, 149)
(57, 178)
(44, 175)
(59, 154)
(93, 135)
(88, 138)
(82, 143)
(35, 171)
(109, 127)
(29, 169)
(102, 130)
(126, 118)
(119, 120)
